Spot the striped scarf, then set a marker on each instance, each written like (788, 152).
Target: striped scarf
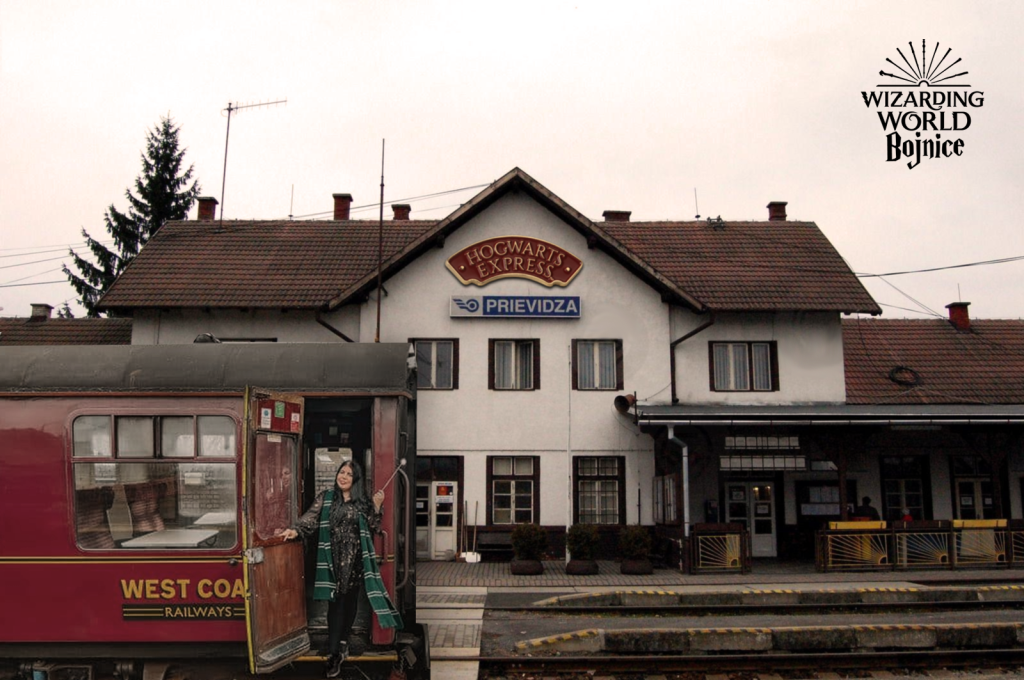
(325, 585)
(376, 593)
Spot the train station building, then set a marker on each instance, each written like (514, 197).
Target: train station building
(614, 372)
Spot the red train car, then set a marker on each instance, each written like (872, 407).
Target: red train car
(141, 489)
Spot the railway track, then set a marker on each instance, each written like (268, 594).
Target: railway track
(996, 662)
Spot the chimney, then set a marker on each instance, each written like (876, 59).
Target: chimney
(616, 215)
(342, 205)
(40, 311)
(958, 315)
(401, 211)
(777, 211)
(207, 209)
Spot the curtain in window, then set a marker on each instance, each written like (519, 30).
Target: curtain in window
(740, 367)
(723, 376)
(443, 366)
(503, 364)
(524, 365)
(762, 367)
(585, 365)
(606, 352)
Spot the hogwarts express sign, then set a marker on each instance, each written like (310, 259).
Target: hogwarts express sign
(514, 257)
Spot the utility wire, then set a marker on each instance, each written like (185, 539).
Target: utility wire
(1002, 260)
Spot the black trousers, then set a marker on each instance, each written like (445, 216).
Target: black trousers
(341, 612)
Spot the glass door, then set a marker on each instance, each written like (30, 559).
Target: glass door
(752, 504)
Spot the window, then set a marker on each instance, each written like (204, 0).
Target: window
(437, 364)
(514, 365)
(597, 364)
(666, 510)
(744, 367)
(137, 477)
(600, 490)
(514, 481)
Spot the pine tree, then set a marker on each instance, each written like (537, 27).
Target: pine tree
(162, 193)
(65, 312)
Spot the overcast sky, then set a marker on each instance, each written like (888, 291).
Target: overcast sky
(626, 106)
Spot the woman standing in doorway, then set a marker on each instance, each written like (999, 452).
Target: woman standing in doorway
(335, 514)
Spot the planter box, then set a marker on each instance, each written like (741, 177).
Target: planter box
(581, 567)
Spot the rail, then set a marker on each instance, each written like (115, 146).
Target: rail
(937, 544)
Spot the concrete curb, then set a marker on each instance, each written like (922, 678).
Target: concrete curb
(662, 598)
(796, 639)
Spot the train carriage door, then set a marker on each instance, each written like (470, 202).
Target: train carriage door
(275, 605)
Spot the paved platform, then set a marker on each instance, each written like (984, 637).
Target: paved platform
(452, 597)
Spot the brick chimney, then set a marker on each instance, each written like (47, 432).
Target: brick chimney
(616, 215)
(40, 311)
(207, 209)
(958, 315)
(777, 211)
(342, 206)
(402, 211)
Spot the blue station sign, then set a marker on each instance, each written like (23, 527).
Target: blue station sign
(515, 306)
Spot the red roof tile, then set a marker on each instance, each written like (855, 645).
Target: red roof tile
(748, 266)
(65, 332)
(930, 362)
(255, 264)
(744, 266)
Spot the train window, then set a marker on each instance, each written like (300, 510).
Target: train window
(135, 505)
(177, 440)
(92, 436)
(216, 436)
(134, 437)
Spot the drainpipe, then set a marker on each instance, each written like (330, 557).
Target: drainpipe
(672, 350)
(319, 320)
(686, 477)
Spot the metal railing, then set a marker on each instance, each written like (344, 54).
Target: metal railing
(718, 548)
(942, 544)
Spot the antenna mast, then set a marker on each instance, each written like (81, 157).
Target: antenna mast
(380, 239)
(236, 107)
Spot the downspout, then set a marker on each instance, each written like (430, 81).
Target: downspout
(672, 349)
(331, 328)
(686, 477)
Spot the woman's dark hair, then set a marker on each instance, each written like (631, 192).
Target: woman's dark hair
(357, 491)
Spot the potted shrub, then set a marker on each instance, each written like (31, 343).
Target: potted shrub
(635, 550)
(581, 542)
(529, 542)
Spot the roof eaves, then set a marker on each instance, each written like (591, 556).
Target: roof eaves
(515, 178)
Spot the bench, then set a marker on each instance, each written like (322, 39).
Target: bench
(494, 542)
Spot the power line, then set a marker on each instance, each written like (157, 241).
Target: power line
(1002, 260)
(41, 283)
(372, 206)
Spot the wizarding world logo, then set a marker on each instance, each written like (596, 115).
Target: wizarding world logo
(921, 103)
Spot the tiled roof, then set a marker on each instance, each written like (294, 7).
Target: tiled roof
(748, 266)
(745, 266)
(930, 362)
(65, 332)
(289, 264)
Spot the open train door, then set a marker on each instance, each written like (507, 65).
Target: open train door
(275, 605)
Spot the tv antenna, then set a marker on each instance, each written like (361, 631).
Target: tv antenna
(232, 107)
(695, 208)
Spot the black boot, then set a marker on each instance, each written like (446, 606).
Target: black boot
(334, 665)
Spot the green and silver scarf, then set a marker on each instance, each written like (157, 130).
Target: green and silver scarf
(387, 615)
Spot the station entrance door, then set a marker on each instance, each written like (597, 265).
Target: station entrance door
(752, 504)
(437, 520)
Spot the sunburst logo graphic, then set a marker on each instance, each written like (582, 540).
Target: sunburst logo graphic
(929, 71)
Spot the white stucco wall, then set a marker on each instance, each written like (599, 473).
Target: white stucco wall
(810, 352)
(181, 326)
(553, 422)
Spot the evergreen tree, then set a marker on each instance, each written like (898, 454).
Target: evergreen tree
(162, 193)
(65, 312)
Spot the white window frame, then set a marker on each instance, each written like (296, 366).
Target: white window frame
(432, 363)
(597, 378)
(742, 367)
